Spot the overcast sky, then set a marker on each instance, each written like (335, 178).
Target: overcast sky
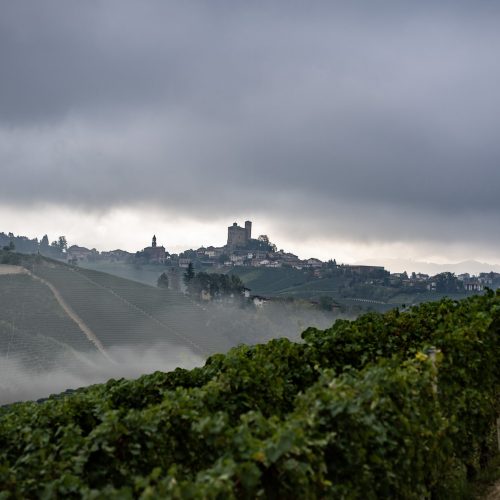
(356, 130)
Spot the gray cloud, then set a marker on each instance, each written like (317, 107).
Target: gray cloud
(372, 121)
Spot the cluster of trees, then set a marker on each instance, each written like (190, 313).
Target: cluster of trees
(447, 283)
(22, 244)
(214, 284)
(8, 256)
(327, 303)
(163, 281)
(262, 243)
(10, 247)
(169, 280)
(349, 276)
(56, 249)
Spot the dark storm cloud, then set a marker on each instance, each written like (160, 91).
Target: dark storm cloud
(375, 120)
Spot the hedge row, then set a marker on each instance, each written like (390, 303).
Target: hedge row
(401, 404)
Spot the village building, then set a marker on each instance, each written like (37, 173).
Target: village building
(421, 277)
(201, 252)
(486, 278)
(367, 270)
(258, 301)
(237, 260)
(313, 263)
(183, 262)
(116, 255)
(155, 254)
(214, 252)
(260, 254)
(78, 254)
(473, 285)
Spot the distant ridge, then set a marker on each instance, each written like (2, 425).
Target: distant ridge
(408, 265)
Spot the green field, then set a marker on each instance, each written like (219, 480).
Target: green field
(33, 327)
(269, 281)
(144, 273)
(299, 284)
(287, 282)
(124, 312)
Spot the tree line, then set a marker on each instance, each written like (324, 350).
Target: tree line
(210, 285)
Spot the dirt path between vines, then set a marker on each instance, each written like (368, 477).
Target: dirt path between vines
(494, 492)
(10, 269)
(72, 314)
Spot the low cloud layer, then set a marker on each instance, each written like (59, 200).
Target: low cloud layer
(363, 123)
(19, 382)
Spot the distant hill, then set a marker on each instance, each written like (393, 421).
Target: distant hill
(53, 312)
(287, 282)
(71, 326)
(124, 312)
(431, 268)
(269, 281)
(58, 320)
(142, 273)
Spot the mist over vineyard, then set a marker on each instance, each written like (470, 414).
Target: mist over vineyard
(20, 381)
(24, 377)
(95, 326)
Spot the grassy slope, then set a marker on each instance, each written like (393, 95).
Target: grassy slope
(123, 312)
(33, 327)
(286, 282)
(263, 281)
(146, 274)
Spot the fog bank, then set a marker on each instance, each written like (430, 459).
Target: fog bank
(19, 382)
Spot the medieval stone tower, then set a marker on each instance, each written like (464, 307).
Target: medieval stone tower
(239, 237)
(248, 230)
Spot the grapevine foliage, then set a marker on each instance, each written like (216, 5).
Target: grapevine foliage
(401, 405)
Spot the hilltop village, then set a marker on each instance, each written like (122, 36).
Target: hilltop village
(240, 250)
(243, 251)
